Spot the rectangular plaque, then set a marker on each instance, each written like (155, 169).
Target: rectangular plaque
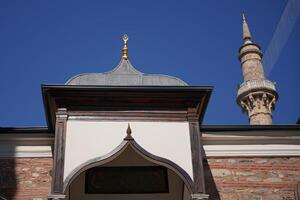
(125, 180)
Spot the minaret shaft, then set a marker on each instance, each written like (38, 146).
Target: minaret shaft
(251, 61)
(256, 95)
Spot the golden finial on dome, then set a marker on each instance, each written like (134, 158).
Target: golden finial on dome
(125, 49)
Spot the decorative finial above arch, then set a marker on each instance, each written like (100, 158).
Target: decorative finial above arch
(128, 131)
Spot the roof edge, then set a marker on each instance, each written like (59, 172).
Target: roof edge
(220, 128)
(36, 129)
(129, 87)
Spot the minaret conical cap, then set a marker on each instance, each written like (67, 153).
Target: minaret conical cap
(246, 31)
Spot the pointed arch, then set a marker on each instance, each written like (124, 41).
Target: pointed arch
(140, 151)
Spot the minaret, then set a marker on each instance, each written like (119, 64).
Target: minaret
(256, 95)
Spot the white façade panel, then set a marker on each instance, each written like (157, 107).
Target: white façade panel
(261, 150)
(166, 139)
(86, 140)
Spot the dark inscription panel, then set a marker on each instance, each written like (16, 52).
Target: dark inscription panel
(125, 180)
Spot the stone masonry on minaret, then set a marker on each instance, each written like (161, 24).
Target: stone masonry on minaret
(256, 95)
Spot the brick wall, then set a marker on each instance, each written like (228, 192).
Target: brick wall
(253, 178)
(226, 178)
(25, 178)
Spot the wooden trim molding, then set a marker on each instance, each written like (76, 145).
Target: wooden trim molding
(196, 150)
(197, 158)
(200, 196)
(59, 151)
(143, 115)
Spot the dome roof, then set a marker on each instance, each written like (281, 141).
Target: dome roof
(126, 75)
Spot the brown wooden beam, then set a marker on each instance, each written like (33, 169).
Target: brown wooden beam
(196, 149)
(59, 151)
(143, 115)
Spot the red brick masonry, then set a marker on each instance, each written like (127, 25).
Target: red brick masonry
(254, 178)
(234, 178)
(25, 178)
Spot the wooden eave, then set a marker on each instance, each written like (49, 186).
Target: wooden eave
(120, 98)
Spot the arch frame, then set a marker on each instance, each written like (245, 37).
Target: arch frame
(129, 141)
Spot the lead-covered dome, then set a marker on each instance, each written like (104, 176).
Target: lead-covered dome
(125, 75)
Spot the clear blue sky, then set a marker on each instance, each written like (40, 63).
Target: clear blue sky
(47, 42)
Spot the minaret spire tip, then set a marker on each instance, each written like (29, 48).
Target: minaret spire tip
(125, 49)
(244, 18)
(246, 31)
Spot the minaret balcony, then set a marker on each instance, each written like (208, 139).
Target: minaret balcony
(256, 85)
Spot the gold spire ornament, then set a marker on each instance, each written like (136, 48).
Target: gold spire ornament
(125, 49)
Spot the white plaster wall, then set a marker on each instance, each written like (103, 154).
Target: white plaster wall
(22, 151)
(261, 150)
(86, 140)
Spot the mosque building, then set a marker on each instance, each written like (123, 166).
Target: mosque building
(124, 134)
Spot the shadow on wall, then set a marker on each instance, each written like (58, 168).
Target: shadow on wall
(210, 184)
(8, 182)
